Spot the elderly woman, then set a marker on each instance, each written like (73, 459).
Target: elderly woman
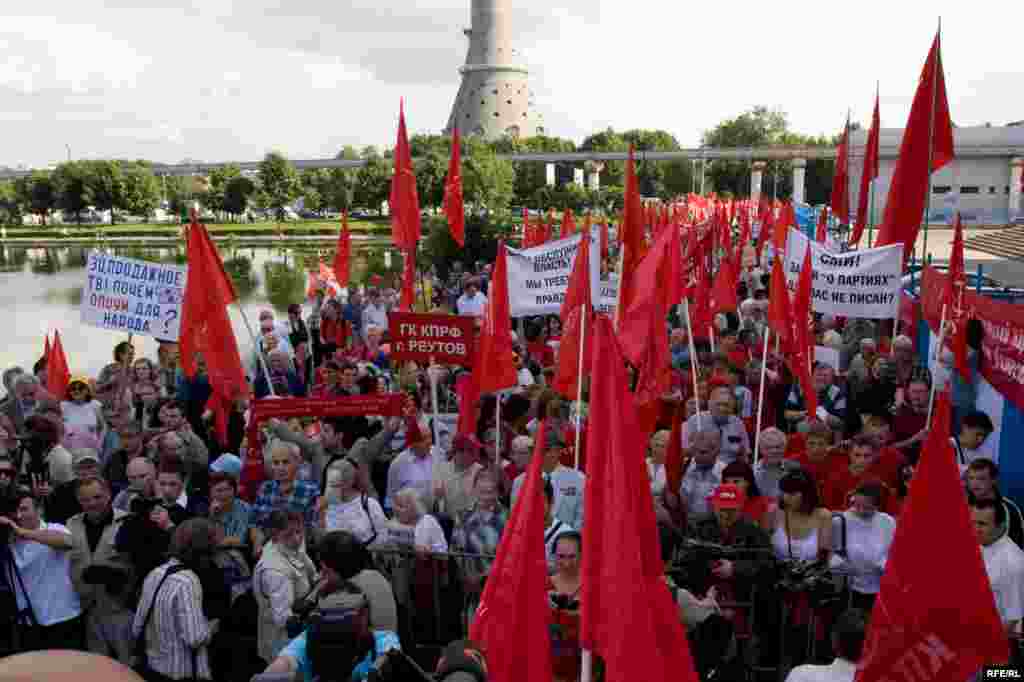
(480, 531)
(454, 486)
(413, 526)
(283, 378)
(284, 574)
(657, 450)
(82, 414)
(345, 506)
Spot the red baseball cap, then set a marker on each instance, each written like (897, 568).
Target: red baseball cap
(728, 496)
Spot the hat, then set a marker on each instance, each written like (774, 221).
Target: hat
(79, 380)
(81, 455)
(553, 439)
(227, 464)
(728, 496)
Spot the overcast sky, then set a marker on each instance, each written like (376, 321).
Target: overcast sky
(160, 80)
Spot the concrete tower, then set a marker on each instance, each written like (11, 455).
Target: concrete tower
(494, 98)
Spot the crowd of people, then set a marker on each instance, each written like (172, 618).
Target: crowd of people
(130, 530)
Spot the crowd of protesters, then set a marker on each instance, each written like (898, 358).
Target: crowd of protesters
(131, 532)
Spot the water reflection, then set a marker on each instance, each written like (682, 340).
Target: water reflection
(12, 260)
(286, 284)
(239, 269)
(68, 296)
(46, 262)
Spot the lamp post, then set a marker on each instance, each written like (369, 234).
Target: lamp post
(68, 147)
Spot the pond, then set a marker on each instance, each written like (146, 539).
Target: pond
(41, 291)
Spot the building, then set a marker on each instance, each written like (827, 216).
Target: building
(494, 98)
(983, 182)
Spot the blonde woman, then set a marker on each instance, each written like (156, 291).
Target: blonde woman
(345, 506)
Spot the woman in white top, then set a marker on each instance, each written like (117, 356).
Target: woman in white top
(345, 507)
(656, 461)
(801, 529)
(413, 525)
(869, 535)
(81, 412)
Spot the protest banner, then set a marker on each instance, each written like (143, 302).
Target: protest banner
(128, 295)
(448, 339)
(862, 283)
(605, 303)
(539, 277)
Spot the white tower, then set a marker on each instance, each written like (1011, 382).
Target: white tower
(494, 98)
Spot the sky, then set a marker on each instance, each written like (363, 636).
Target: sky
(167, 81)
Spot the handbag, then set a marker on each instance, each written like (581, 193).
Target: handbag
(141, 658)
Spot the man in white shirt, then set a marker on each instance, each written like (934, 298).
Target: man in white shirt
(735, 441)
(705, 471)
(472, 302)
(567, 484)
(969, 445)
(848, 642)
(770, 467)
(375, 312)
(1004, 561)
(45, 592)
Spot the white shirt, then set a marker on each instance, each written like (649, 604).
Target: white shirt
(867, 547)
(698, 484)
(352, 517)
(471, 307)
(82, 416)
(525, 377)
(427, 533)
(1004, 563)
(46, 574)
(374, 316)
(734, 436)
(656, 472)
(568, 485)
(409, 471)
(839, 670)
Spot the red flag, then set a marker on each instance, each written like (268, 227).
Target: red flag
(408, 299)
(527, 240)
(631, 234)
(46, 349)
(869, 173)
(575, 314)
(495, 368)
(767, 229)
(675, 270)
(58, 375)
(603, 236)
(404, 202)
(744, 237)
(467, 390)
(513, 620)
(568, 224)
(918, 622)
(453, 206)
(840, 200)
(786, 219)
(206, 328)
(723, 291)
(919, 156)
(779, 315)
(819, 235)
(701, 317)
(803, 334)
(343, 255)
(953, 299)
(628, 616)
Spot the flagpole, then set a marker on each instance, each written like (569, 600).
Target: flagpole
(587, 666)
(694, 364)
(259, 351)
(760, 395)
(497, 431)
(931, 143)
(871, 185)
(579, 384)
(711, 333)
(937, 354)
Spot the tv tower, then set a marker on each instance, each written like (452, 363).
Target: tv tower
(494, 98)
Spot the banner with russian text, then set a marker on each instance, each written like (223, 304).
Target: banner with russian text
(539, 277)
(447, 339)
(863, 283)
(135, 296)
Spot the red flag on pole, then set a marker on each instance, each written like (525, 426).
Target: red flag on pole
(868, 174)
(779, 315)
(918, 623)
(453, 205)
(953, 298)
(723, 291)
(46, 349)
(495, 369)
(404, 202)
(631, 234)
(206, 329)
(628, 616)
(408, 298)
(819, 234)
(513, 620)
(575, 315)
(568, 224)
(58, 375)
(803, 334)
(840, 200)
(927, 146)
(343, 255)
(767, 229)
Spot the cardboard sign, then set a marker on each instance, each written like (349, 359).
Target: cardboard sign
(135, 296)
(448, 339)
(538, 277)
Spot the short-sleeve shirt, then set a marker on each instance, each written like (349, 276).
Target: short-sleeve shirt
(46, 575)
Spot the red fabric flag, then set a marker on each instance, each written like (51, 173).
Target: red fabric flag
(803, 334)
(675, 270)
(744, 237)
(786, 219)
(631, 234)
(628, 616)
(723, 291)
(575, 315)
(408, 299)
(46, 349)
(58, 375)
(701, 317)
(918, 623)
(840, 200)
(568, 224)
(206, 328)
(953, 299)
(495, 368)
(779, 315)
(513, 620)
(467, 390)
(343, 255)
(527, 240)
(404, 202)
(819, 234)
(904, 207)
(869, 173)
(549, 227)
(453, 205)
(767, 230)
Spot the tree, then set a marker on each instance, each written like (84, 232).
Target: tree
(219, 179)
(36, 194)
(530, 177)
(180, 192)
(279, 183)
(373, 181)
(652, 176)
(107, 182)
(237, 193)
(140, 190)
(74, 185)
(10, 210)
(313, 181)
(487, 181)
(759, 127)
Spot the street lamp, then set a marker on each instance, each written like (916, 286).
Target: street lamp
(68, 147)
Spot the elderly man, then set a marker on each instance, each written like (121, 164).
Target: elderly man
(375, 312)
(284, 380)
(705, 471)
(831, 399)
(25, 389)
(567, 484)
(735, 441)
(420, 467)
(141, 475)
(771, 465)
(99, 573)
(860, 367)
(907, 365)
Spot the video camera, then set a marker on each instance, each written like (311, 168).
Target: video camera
(143, 506)
(812, 577)
(31, 452)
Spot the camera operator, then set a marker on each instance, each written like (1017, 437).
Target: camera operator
(99, 574)
(42, 576)
(284, 575)
(47, 462)
(141, 476)
(181, 503)
(347, 585)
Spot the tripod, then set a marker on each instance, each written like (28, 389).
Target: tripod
(13, 621)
